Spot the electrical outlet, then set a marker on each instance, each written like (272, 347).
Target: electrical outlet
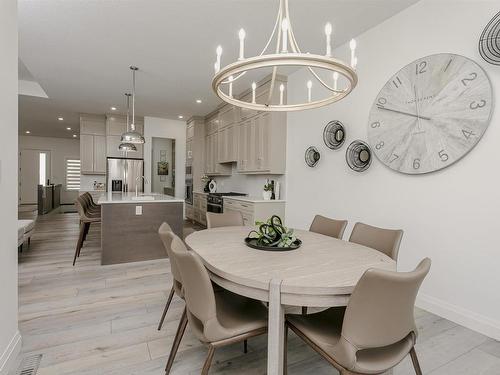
(138, 210)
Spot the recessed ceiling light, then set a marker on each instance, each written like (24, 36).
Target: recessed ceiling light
(27, 132)
(60, 118)
(113, 108)
(198, 101)
(68, 128)
(74, 135)
(181, 116)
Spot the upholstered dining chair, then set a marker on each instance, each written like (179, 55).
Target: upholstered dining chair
(166, 235)
(386, 241)
(328, 227)
(377, 329)
(226, 219)
(216, 319)
(91, 205)
(86, 218)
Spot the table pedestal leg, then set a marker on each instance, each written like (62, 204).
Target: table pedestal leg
(275, 330)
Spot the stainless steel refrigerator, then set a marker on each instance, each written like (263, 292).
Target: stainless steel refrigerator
(122, 174)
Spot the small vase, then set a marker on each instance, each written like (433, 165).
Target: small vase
(266, 195)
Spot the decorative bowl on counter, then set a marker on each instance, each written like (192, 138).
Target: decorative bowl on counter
(272, 236)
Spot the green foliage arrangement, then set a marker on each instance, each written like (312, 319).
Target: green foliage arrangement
(273, 233)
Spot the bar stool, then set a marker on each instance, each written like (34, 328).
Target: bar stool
(87, 217)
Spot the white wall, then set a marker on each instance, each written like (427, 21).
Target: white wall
(60, 149)
(164, 128)
(450, 216)
(10, 340)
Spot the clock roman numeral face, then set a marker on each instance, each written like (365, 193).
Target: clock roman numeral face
(430, 113)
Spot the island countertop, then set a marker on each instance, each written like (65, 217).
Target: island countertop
(130, 197)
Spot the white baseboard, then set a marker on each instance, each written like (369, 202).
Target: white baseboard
(9, 356)
(477, 322)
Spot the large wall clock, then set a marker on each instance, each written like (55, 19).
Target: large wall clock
(430, 113)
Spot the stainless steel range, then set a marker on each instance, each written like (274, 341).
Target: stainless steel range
(215, 202)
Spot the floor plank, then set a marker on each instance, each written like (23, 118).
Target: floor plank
(93, 319)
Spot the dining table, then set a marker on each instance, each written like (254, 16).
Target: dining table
(321, 273)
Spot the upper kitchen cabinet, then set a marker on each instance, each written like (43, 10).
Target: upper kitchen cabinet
(213, 166)
(93, 144)
(227, 140)
(116, 125)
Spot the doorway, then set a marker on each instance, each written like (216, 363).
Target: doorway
(34, 170)
(163, 166)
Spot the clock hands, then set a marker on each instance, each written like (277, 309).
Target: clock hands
(404, 113)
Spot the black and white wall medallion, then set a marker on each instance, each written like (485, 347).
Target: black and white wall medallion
(489, 42)
(358, 156)
(312, 156)
(334, 135)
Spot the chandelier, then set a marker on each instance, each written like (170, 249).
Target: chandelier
(324, 69)
(132, 136)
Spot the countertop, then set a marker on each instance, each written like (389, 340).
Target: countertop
(130, 197)
(253, 199)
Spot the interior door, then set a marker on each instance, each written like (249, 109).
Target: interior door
(34, 168)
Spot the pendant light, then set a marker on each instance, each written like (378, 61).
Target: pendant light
(133, 136)
(127, 147)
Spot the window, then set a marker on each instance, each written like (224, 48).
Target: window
(72, 174)
(42, 174)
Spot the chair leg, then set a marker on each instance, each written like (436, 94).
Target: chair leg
(29, 242)
(166, 308)
(414, 359)
(208, 361)
(21, 248)
(177, 341)
(245, 346)
(79, 243)
(285, 350)
(86, 231)
(304, 310)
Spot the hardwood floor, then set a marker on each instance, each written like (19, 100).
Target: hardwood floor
(93, 319)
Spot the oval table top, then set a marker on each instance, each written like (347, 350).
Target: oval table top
(322, 266)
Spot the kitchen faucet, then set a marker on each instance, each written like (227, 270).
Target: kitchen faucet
(137, 179)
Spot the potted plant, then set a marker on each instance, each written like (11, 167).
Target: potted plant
(268, 191)
(272, 235)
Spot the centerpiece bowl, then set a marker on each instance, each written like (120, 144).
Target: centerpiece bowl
(272, 236)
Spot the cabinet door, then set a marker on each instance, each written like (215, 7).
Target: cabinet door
(112, 143)
(252, 146)
(243, 145)
(189, 152)
(87, 153)
(262, 134)
(99, 154)
(232, 143)
(221, 145)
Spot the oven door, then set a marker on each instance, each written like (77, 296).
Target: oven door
(213, 207)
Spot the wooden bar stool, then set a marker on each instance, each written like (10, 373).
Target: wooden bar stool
(87, 217)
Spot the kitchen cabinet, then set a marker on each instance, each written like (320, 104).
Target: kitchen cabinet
(116, 125)
(200, 208)
(255, 211)
(227, 144)
(92, 124)
(212, 165)
(262, 144)
(189, 152)
(93, 154)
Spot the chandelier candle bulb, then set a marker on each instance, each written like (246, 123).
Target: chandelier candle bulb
(284, 28)
(335, 80)
(231, 78)
(352, 46)
(282, 91)
(328, 33)
(242, 35)
(355, 64)
(218, 51)
(254, 87)
(309, 91)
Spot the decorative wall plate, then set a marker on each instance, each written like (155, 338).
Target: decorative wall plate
(312, 156)
(334, 135)
(358, 156)
(489, 42)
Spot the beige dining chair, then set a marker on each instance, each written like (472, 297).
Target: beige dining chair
(386, 241)
(166, 234)
(226, 219)
(377, 329)
(92, 207)
(328, 227)
(216, 319)
(86, 219)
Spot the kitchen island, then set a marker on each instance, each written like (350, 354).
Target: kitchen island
(129, 225)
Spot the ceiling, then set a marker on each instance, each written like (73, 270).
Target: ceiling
(79, 51)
